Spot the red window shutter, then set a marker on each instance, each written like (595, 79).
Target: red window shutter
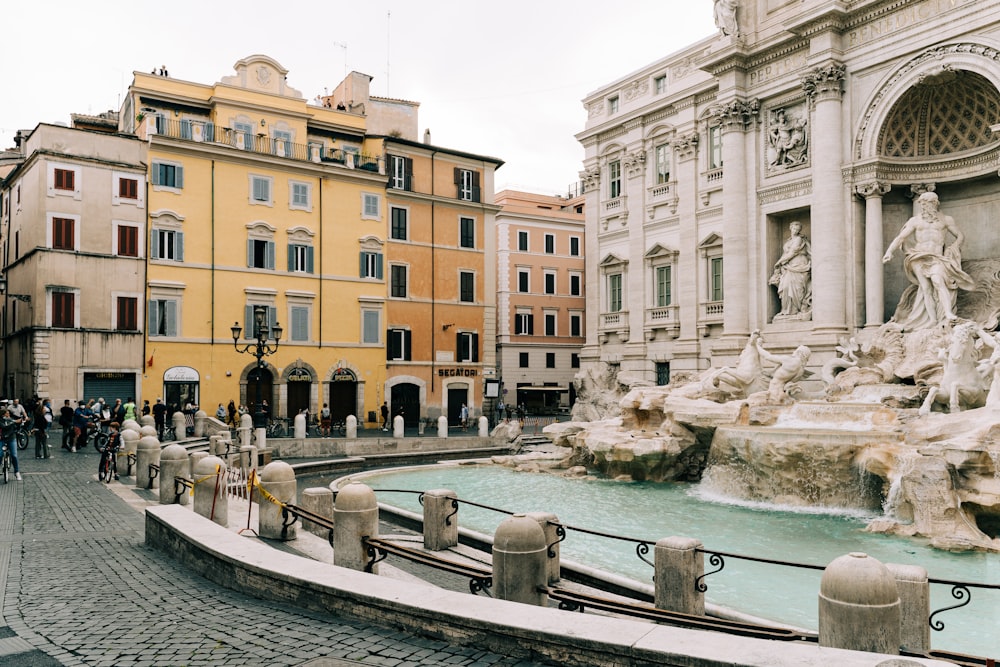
(128, 241)
(64, 179)
(127, 313)
(128, 188)
(62, 309)
(62, 233)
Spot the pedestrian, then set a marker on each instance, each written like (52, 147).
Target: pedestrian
(231, 409)
(66, 421)
(501, 409)
(17, 412)
(117, 412)
(220, 414)
(465, 417)
(159, 416)
(145, 407)
(130, 409)
(8, 431)
(42, 419)
(385, 416)
(82, 421)
(111, 446)
(325, 420)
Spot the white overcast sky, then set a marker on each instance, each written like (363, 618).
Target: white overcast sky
(503, 79)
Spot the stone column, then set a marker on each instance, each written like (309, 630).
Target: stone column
(147, 453)
(210, 499)
(688, 294)
(824, 87)
(735, 118)
(440, 519)
(552, 532)
(677, 566)
(874, 250)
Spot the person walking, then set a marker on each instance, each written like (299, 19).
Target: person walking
(82, 418)
(465, 417)
(385, 416)
(231, 409)
(325, 420)
(66, 421)
(8, 431)
(159, 416)
(145, 408)
(42, 419)
(130, 410)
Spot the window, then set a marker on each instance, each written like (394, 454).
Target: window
(614, 179)
(400, 172)
(662, 155)
(127, 241)
(167, 244)
(550, 282)
(467, 184)
(398, 227)
(613, 104)
(660, 84)
(574, 360)
(397, 346)
(127, 313)
(550, 324)
(371, 325)
(522, 281)
(65, 179)
(524, 324)
(467, 346)
(467, 232)
(63, 309)
(397, 281)
(250, 322)
(614, 292)
(282, 143)
(522, 241)
(371, 206)
(371, 265)
(575, 325)
(162, 317)
(663, 286)
(300, 258)
(260, 190)
(299, 317)
(467, 286)
(715, 147)
(550, 244)
(575, 280)
(63, 234)
(168, 175)
(260, 254)
(299, 196)
(550, 359)
(522, 360)
(662, 373)
(574, 246)
(715, 287)
(128, 188)
(246, 130)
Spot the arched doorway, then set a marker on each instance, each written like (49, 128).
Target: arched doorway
(343, 394)
(298, 384)
(263, 378)
(405, 397)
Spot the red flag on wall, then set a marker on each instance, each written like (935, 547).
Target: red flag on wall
(150, 362)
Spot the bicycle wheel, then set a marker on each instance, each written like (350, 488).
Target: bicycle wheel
(100, 441)
(6, 466)
(22, 439)
(103, 468)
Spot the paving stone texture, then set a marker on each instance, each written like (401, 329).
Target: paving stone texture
(78, 586)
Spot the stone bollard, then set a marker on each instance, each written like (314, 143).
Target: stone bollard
(199, 423)
(130, 425)
(440, 519)
(859, 606)
(147, 420)
(914, 606)
(210, 499)
(442, 426)
(355, 515)
(130, 440)
(173, 463)
(148, 431)
(278, 480)
(213, 445)
(351, 426)
(677, 565)
(519, 561)
(245, 430)
(548, 522)
(397, 426)
(248, 458)
(318, 500)
(180, 425)
(299, 426)
(147, 453)
(194, 458)
(484, 427)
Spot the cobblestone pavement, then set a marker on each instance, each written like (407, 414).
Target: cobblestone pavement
(78, 586)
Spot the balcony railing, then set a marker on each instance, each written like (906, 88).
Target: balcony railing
(205, 131)
(661, 315)
(712, 311)
(614, 320)
(660, 192)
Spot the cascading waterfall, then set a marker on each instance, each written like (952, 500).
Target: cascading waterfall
(903, 464)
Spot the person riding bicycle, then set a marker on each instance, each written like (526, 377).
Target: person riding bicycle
(8, 431)
(83, 417)
(109, 448)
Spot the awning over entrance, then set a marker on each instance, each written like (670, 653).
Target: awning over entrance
(559, 389)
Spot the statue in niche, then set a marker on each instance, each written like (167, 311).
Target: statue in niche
(787, 141)
(933, 266)
(962, 383)
(725, 17)
(791, 368)
(792, 276)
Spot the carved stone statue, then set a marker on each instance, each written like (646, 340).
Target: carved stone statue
(790, 369)
(725, 17)
(748, 375)
(793, 277)
(787, 139)
(932, 265)
(962, 383)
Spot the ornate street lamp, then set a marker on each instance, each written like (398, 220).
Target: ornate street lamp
(260, 349)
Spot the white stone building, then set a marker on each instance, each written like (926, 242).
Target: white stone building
(832, 114)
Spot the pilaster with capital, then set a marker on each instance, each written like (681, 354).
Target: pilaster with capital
(873, 191)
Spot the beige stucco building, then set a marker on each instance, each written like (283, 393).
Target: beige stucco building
(541, 298)
(833, 115)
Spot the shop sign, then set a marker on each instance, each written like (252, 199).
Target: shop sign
(457, 372)
(299, 375)
(180, 374)
(344, 375)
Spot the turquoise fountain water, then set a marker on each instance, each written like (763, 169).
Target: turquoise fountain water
(648, 512)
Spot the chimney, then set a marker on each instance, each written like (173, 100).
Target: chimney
(427, 136)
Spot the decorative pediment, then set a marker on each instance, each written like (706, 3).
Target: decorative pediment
(261, 227)
(612, 259)
(711, 241)
(260, 72)
(659, 251)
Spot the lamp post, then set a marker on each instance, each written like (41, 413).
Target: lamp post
(260, 349)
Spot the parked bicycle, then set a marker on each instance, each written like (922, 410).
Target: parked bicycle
(22, 434)
(107, 469)
(7, 463)
(276, 428)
